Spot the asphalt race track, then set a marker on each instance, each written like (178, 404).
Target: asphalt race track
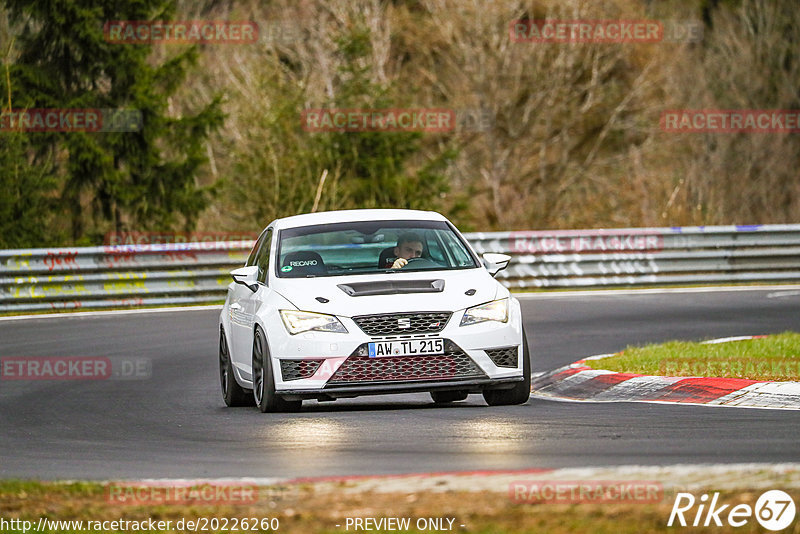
(174, 423)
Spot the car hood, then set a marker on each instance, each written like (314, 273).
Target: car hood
(349, 296)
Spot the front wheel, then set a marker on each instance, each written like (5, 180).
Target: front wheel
(232, 393)
(521, 391)
(264, 381)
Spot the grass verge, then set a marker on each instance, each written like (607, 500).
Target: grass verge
(304, 510)
(774, 357)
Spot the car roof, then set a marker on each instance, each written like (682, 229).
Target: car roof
(326, 217)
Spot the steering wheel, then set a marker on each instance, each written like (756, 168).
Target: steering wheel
(421, 262)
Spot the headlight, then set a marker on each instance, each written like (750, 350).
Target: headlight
(497, 310)
(302, 321)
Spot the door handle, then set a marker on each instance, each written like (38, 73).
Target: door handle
(236, 306)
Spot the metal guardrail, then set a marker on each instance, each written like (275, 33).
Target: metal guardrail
(647, 256)
(117, 276)
(190, 273)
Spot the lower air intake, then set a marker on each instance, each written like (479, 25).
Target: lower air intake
(505, 357)
(454, 364)
(298, 369)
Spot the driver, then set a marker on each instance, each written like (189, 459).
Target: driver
(409, 245)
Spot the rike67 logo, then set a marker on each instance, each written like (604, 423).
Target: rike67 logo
(774, 510)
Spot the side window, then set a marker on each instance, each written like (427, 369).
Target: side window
(251, 259)
(262, 258)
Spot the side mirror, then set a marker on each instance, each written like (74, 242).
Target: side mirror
(247, 276)
(496, 262)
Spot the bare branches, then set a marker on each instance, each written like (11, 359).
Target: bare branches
(574, 139)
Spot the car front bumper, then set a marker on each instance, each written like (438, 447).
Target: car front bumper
(336, 365)
(387, 388)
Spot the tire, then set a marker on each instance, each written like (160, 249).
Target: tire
(521, 391)
(232, 393)
(444, 397)
(264, 380)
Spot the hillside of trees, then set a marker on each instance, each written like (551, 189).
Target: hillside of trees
(549, 136)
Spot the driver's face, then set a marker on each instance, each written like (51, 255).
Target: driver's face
(409, 250)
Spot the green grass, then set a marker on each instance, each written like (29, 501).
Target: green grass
(771, 358)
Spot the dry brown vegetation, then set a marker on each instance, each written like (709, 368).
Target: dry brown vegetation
(574, 140)
(307, 511)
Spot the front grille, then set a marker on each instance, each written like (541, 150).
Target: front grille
(506, 357)
(453, 364)
(394, 324)
(297, 369)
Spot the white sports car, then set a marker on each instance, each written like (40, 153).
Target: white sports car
(361, 302)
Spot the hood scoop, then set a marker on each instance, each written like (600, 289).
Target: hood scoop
(392, 287)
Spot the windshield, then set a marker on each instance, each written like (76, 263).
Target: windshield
(371, 247)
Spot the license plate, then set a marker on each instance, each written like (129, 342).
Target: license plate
(409, 347)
